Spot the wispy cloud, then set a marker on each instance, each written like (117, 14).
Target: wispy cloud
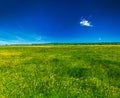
(85, 22)
(2, 42)
(20, 38)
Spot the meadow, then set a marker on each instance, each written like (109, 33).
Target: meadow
(60, 71)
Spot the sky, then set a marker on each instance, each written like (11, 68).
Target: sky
(59, 21)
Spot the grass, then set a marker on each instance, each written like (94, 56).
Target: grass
(60, 71)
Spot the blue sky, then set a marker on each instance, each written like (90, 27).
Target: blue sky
(43, 21)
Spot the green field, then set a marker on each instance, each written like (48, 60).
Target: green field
(60, 71)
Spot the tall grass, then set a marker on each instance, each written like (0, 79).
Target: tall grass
(60, 71)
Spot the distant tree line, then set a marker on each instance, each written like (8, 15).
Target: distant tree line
(99, 43)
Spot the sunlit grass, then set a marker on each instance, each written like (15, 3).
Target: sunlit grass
(60, 71)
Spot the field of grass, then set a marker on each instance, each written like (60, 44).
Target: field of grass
(60, 71)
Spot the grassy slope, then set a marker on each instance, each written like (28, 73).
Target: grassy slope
(60, 71)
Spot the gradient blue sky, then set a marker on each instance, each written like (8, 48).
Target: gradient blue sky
(41, 21)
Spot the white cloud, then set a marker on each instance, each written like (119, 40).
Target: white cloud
(85, 22)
